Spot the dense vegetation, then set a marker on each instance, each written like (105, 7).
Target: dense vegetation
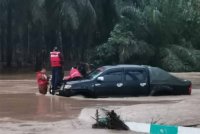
(29, 29)
(162, 33)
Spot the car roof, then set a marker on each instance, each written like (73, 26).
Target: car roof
(124, 66)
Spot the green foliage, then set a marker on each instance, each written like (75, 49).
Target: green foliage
(179, 58)
(106, 54)
(158, 32)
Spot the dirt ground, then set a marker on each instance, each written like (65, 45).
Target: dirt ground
(24, 111)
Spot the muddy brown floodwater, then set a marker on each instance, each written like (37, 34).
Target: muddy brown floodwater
(20, 102)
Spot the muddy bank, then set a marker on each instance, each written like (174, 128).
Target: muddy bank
(60, 127)
(17, 76)
(156, 113)
(182, 113)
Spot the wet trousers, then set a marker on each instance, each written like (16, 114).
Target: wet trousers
(56, 77)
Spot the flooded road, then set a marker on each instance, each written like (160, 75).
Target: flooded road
(24, 110)
(21, 101)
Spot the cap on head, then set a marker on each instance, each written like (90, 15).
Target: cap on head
(55, 48)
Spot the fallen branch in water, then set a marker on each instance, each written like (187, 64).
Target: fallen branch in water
(110, 121)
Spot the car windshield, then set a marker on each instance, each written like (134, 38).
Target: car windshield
(95, 73)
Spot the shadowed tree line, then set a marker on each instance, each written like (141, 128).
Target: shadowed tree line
(29, 29)
(162, 33)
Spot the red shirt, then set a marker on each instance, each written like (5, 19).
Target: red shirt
(73, 74)
(55, 58)
(42, 80)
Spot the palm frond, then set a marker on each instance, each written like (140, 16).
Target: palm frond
(73, 11)
(171, 62)
(138, 51)
(38, 11)
(70, 14)
(178, 58)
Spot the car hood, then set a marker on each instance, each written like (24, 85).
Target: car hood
(78, 82)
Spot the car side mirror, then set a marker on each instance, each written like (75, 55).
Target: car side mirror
(100, 79)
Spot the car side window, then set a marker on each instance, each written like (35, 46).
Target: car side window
(135, 75)
(113, 76)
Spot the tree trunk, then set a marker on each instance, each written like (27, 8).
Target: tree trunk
(59, 35)
(2, 42)
(9, 35)
(28, 39)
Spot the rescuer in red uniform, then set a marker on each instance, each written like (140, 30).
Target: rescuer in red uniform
(42, 81)
(56, 64)
(74, 74)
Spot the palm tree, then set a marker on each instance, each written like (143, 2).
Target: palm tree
(28, 28)
(159, 33)
(7, 7)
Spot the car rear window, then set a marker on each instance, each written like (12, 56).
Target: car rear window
(160, 75)
(135, 75)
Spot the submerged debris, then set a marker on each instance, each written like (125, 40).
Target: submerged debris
(110, 121)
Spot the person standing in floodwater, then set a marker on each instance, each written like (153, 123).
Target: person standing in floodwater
(42, 81)
(56, 60)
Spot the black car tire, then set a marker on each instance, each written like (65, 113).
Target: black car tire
(67, 93)
(61, 93)
(164, 91)
(152, 93)
(89, 95)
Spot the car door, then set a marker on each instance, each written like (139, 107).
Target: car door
(112, 81)
(135, 82)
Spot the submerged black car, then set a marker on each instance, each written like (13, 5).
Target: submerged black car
(127, 80)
